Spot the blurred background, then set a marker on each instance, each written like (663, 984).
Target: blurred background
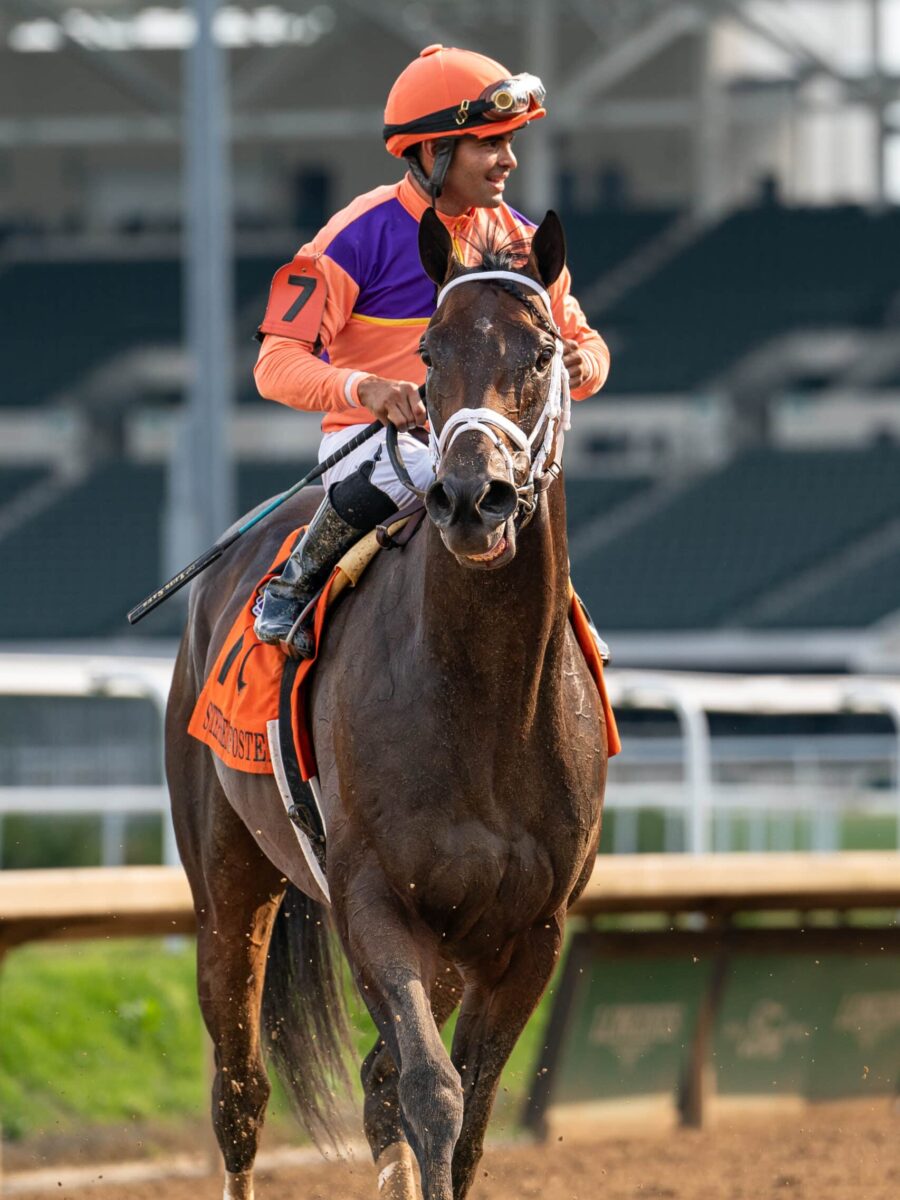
(728, 174)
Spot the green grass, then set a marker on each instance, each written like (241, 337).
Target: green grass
(98, 1031)
(854, 832)
(59, 840)
(109, 1032)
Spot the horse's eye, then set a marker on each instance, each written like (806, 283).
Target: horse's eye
(425, 356)
(545, 357)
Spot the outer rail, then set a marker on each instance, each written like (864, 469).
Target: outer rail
(132, 901)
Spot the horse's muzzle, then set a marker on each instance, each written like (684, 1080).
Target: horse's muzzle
(452, 500)
(472, 513)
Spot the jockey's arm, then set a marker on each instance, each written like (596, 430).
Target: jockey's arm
(289, 370)
(585, 354)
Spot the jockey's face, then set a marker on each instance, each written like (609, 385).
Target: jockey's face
(477, 175)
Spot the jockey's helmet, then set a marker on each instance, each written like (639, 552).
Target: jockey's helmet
(448, 93)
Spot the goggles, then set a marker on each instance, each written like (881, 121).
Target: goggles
(512, 96)
(498, 102)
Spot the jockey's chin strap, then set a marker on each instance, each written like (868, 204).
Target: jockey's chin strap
(543, 446)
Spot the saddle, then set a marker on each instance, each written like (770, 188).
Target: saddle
(253, 709)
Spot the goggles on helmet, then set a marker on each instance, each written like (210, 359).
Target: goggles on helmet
(512, 96)
(498, 102)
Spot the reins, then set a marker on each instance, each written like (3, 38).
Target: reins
(543, 454)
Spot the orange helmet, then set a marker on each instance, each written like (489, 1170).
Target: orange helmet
(447, 92)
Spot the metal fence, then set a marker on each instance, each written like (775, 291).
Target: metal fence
(82, 734)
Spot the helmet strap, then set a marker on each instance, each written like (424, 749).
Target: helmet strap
(442, 160)
(433, 185)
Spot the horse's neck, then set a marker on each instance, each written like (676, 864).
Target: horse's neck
(503, 630)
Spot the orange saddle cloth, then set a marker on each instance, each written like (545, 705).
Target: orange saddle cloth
(253, 683)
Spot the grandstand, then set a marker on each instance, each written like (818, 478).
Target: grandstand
(735, 490)
(743, 533)
(759, 274)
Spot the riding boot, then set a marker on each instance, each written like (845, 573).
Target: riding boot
(352, 508)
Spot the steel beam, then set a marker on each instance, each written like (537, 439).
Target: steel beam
(539, 159)
(125, 71)
(623, 60)
(201, 502)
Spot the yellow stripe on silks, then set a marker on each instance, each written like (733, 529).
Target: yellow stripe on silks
(389, 320)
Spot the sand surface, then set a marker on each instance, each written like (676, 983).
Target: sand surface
(851, 1152)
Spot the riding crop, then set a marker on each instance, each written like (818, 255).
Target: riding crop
(186, 574)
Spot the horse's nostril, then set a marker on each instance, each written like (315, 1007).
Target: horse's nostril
(439, 504)
(499, 501)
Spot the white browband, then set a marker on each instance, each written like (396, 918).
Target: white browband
(555, 414)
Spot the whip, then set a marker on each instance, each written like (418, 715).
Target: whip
(208, 557)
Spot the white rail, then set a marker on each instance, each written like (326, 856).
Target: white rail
(691, 696)
(125, 678)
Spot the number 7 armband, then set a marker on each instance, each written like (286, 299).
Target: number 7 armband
(296, 301)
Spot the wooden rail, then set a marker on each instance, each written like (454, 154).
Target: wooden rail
(135, 901)
(720, 884)
(93, 902)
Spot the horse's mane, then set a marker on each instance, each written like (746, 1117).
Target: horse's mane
(498, 252)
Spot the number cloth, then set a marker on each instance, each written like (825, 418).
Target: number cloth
(296, 301)
(378, 301)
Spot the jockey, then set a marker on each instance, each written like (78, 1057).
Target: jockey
(345, 317)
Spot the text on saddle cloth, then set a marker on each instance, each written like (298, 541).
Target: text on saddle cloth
(243, 691)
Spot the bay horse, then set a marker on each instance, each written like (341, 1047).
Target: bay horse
(462, 761)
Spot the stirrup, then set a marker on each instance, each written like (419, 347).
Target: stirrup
(300, 640)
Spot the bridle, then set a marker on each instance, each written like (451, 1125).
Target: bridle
(543, 453)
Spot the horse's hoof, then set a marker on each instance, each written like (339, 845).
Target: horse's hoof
(396, 1178)
(238, 1185)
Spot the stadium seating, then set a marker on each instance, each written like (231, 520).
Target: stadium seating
(14, 480)
(740, 531)
(105, 541)
(855, 601)
(92, 310)
(714, 549)
(587, 499)
(598, 241)
(760, 273)
(95, 309)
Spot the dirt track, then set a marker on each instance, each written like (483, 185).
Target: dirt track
(843, 1154)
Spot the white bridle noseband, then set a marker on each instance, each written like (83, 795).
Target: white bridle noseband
(554, 417)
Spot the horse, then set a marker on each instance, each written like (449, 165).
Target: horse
(461, 750)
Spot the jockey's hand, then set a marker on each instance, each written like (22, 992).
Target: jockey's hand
(576, 363)
(393, 401)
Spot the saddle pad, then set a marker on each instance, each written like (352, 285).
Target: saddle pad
(581, 627)
(241, 694)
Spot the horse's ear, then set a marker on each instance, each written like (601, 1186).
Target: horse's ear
(435, 247)
(548, 250)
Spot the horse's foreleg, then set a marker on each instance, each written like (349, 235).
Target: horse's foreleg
(237, 900)
(395, 969)
(380, 1077)
(494, 1012)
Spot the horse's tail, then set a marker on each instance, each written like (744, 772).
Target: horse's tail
(304, 1018)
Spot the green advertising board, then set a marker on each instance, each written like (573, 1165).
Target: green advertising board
(631, 1030)
(821, 1026)
(757, 1014)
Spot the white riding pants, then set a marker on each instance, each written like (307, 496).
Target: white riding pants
(416, 456)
